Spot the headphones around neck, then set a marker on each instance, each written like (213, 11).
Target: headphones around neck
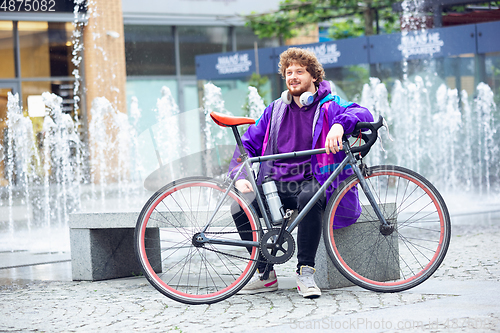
(306, 99)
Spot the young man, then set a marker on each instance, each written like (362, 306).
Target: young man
(306, 117)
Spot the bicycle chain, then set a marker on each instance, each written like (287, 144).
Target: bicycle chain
(228, 254)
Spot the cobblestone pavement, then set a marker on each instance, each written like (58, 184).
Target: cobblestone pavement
(461, 296)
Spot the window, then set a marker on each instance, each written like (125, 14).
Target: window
(7, 68)
(201, 40)
(245, 39)
(149, 50)
(45, 49)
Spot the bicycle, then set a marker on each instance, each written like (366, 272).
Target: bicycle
(197, 256)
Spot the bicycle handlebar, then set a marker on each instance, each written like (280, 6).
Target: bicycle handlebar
(369, 138)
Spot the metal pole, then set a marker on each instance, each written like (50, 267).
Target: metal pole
(256, 51)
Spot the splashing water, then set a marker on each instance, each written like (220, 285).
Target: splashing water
(212, 101)
(256, 104)
(79, 20)
(447, 123)
(61, 148)
(167, 133)
(454, 149)
(374, 98)
(412, 19)
(20, 153)
(484, 109)
(168, 136)
(109, 143)
(43, 180)
(136, 161)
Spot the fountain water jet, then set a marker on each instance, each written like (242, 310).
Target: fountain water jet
(212, 101)
(454, 149)
(61, 148)
(168, 134)
(136, 166)
(43, 181)
(20, 152)
(256, 105)
(488, 149)
(109, 145)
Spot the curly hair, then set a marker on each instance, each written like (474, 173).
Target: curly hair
(302, 57)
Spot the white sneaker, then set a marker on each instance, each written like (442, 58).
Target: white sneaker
(305, 283)
(256, 285)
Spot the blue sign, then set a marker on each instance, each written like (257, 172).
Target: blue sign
(433, 43)
(488, 38)
(235, 64)
(383, 48)
(267, 61)
(338, 53)
(225, 65)
(430, 43)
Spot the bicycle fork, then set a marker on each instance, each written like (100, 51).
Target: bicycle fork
(385, 227)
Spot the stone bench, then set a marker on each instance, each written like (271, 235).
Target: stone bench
(102, 247)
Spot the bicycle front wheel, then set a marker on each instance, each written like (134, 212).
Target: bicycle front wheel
(396, 258)
(166, 242)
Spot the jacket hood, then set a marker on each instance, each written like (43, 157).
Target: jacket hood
(323, 90)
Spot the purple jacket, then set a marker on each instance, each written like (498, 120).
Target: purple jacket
(260, 139)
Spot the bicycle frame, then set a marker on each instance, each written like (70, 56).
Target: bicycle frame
(246, 165)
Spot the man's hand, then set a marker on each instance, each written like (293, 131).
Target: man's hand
(243, 185)
(333, 142)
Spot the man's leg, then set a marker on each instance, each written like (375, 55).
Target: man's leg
(243, 225)
(309, 229)
(308, 237)
(260, 282)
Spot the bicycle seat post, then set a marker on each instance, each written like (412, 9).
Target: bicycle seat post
(239, 142)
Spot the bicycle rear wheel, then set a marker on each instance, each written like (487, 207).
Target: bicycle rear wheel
(403, 258)
(174, 263)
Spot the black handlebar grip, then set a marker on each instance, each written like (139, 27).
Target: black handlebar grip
(369, 138)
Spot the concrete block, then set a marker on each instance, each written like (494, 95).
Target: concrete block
(81, 257)
(108, 252)
(328, 277)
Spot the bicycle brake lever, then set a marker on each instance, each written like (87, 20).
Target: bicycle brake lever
(384, 124)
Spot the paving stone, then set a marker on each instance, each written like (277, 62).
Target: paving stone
(133, 305)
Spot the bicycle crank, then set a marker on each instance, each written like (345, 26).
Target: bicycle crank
(277, 253)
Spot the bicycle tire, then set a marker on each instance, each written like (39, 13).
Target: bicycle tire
(165, 248)
(406, 257)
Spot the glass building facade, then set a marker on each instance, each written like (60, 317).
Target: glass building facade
(35, 57)
(164, 55)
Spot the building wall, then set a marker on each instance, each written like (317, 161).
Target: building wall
(105, 75)
(104, 54)
(195, 12)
